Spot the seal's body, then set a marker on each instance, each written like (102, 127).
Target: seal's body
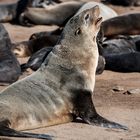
(118, 46)
(62, 88)
(127, 62)
(27, 48)
(60, 13)
(53, 15)
(7, 12)
(136, 39)
(123, 2)
(128, 24)
(9, 66)
(42, 3)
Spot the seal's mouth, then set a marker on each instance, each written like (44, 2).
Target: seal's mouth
(98, 21)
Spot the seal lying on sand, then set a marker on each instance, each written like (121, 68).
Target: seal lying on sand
(62, 88)
(136, 39)
(127, 62)
(128, 24)
(7, 12)
(27, 48)
(36, 42)
(119, 45)
(42, 3)
(12, 11)
(23, 49)
(54, 15)
(9, 66)
(59, 14)
(123, 2)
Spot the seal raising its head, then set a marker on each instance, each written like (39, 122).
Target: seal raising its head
(62, 88)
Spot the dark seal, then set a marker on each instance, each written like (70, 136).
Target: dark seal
(9, 66)
(127, 62)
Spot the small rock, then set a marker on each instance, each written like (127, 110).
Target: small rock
(133, 91)
(118, 88)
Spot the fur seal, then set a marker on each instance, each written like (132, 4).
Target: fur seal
(48, 15)
(12, 11)
(105, 11)
(7, 12)
(101, 65)
(43, 3)
(128, 24)
(123, 2)
(136, 39)
(118, 45)
(53, 15)
(34, 44)
(127, 62)
(9, 66)
(57, 31)
(62, 88)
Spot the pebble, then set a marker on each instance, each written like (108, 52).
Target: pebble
(132, 91)
(118, 88)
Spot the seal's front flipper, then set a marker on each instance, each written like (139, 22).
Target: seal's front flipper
(6, 131)
(86, 111)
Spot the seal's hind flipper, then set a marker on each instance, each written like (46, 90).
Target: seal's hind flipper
(6, 131)
(100, 121)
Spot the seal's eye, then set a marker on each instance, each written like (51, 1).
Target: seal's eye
(87, 17)
(78, 31)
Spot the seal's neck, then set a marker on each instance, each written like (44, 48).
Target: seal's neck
(73, 61)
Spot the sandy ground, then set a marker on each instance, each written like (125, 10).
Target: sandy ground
(116, 106)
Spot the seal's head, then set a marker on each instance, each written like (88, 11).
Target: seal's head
(21, 50)
(82, 26)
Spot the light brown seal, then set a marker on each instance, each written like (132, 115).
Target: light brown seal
(61, 90)
(59, 14)
(123, 2)
(128, 24)
(53, 15)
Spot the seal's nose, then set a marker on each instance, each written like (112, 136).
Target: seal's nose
(95, 11)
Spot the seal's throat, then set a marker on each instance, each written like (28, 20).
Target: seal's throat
(74, 65)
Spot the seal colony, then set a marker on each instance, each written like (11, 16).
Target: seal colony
(61, 90)
(63, 11)
(48, 16)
